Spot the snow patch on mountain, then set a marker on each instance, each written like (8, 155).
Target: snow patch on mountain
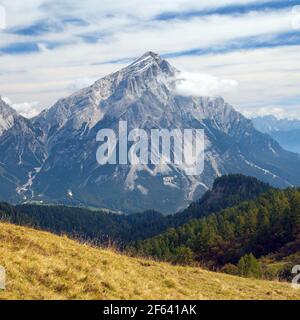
(143, 190)
(21, 190)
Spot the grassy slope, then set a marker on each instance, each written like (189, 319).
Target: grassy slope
(44, 266)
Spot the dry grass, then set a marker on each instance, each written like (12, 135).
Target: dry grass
(44, 266)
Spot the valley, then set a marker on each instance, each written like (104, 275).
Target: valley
(241, 227)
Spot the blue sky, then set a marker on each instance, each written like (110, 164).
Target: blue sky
(51, 48)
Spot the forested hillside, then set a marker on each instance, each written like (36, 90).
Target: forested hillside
(239, 220)
(96, 226)
(260, 227)
(227, 191)
(104, 228)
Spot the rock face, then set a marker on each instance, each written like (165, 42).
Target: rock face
(52, 158)
(7, 116)
(21, 153)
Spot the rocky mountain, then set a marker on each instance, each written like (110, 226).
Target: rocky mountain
(286, 132)
(21, 153)
(7, 116)
(58, 147)
(289, 140)
(271, 123)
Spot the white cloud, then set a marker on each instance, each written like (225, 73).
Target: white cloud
(267, 78)
(2, 17)
(264, 111)
(264, 75)
(20, 11)
(197, 84)
(296, 17)
(80, 84)
(6, 100)
(280, 112)
(25, 109)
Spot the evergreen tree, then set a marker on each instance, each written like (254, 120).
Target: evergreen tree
(183, 255)
(249, 267)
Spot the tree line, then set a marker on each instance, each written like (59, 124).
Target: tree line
(258, 227)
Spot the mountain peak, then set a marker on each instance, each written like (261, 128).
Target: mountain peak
(150, 60)
(150, 55)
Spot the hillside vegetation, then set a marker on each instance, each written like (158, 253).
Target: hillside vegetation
(104, 227)
(41, 265)
(267, 225)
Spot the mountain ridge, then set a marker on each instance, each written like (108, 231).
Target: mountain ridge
(286, 132)
(64, 168)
